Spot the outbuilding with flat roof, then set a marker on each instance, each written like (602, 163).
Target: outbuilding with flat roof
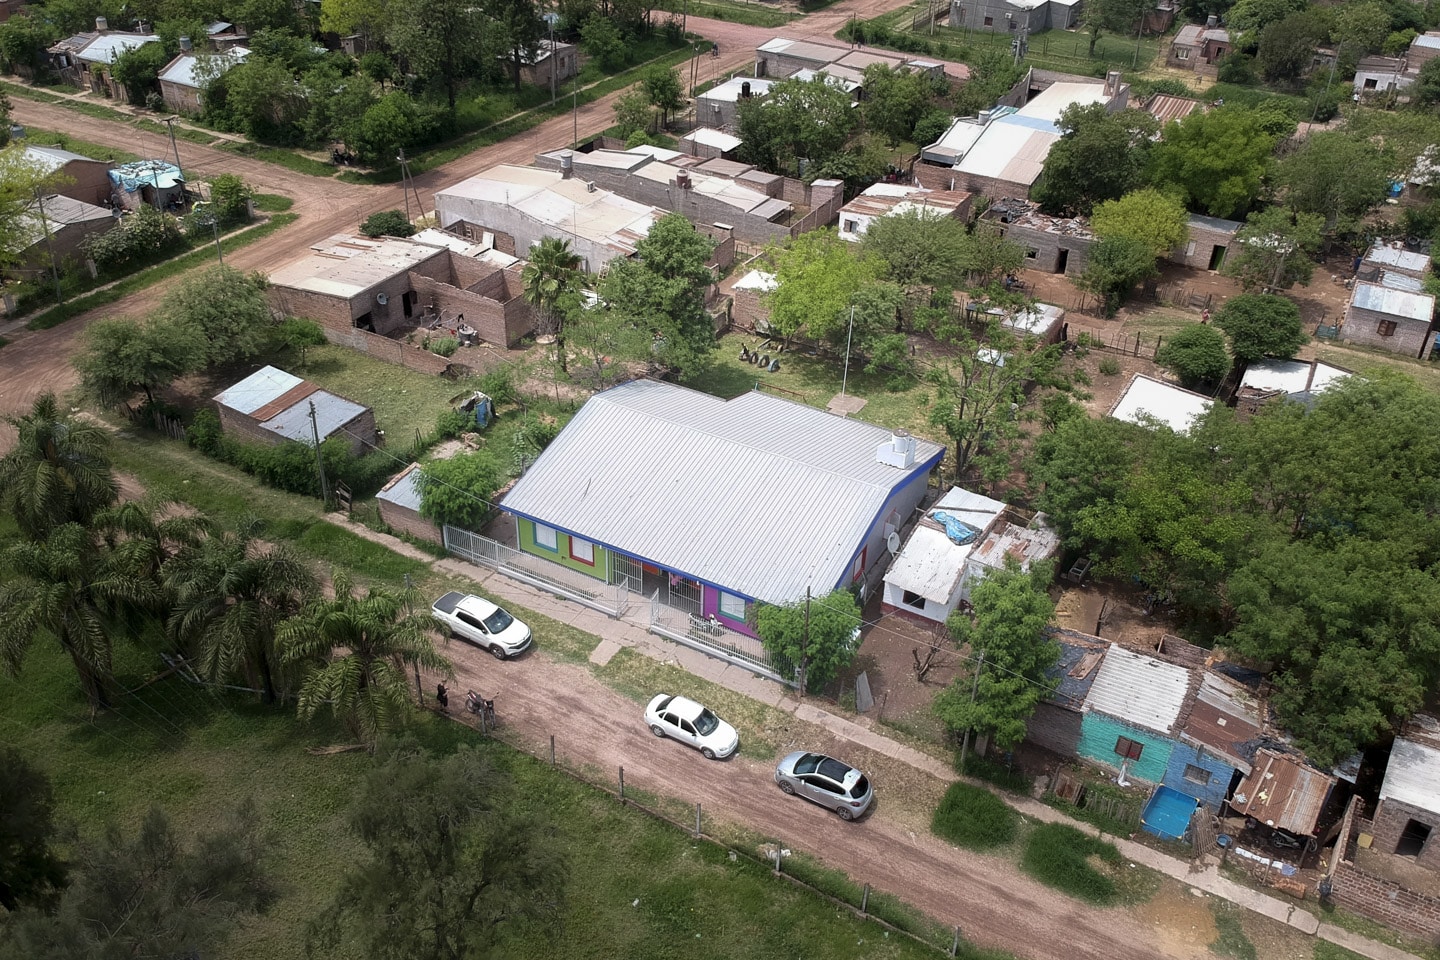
(272, 406)
(1407, 818)
(1148, 401)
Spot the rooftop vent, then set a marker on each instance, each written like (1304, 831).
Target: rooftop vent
(898, 451)
(185, 45)
(102, 24)
(567, 164)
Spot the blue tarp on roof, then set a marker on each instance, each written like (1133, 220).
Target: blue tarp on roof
(146, 173)
(956, 529)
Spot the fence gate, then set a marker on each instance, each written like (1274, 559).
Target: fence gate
(684, 594)
(627, 572)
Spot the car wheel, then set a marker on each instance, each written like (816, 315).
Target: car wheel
(707, 753)
(498, 653)
(785, 787)
(845, 813)
(655, 729)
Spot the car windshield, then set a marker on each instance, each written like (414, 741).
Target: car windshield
(706, 723)
(808, 763)
(498, 621)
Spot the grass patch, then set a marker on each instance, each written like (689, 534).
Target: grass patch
(272, 203)
(1372, 930)
(188, 134)
(280, 156)
(753, 14)
(37, 136)
(1325, 950)
(640, 678)
(1002, 776)
(1058, 856)
(1232, 941)
(346, 548)
(1375, 363)
(974, 818)
(153, 275)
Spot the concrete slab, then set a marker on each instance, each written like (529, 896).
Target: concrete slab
(1361, 945)
(846, 405)
(604, 650)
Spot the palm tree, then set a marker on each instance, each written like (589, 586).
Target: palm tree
(57, 472)
(358, 648)
(549, 275)
(229, 596)
(72, 587)
(150, 532)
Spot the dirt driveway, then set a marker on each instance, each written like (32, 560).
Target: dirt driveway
(992, 902)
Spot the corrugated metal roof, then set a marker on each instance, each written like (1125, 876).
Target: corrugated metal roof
(403, 490)
(1225, 715)
(711, 137)
(1165, 108)
(107, 46)
(1215, 223)
(1139, 689)
(1413, 773)
(1400, 258)
(1281, 792)
(1292, 376)
(181, 70)
(1397, 303)
(930, 563)
(1173, 406)
(345, 266)
(331, 413)
(758, 495)
(258, 389)
(51, 159)
(730, 90)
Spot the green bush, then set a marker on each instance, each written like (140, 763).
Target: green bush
(205, 433)
(445, 347)
(451, 423)
(1058, 855)
(973, 817)
(143, 237)
(387, 223)
(1109, 366)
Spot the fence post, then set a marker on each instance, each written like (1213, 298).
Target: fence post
(955, 943)
(697, 821)
(1158, 341)
(865, 900)
(1137, 346)
(622, 784)
(776, 855)
(552, 749)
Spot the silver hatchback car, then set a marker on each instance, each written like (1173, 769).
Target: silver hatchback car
(826, 781)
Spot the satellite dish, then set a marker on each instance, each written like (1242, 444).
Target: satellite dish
(892, 542)
(382, 298)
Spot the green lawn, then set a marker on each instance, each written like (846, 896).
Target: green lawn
(749, 12)
(96, 151)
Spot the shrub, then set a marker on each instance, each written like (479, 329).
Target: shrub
(387, 223)
(205, 433)
(982, 768)
(1196, 355)
(451, 423)
(1058, 855)
(140, 238)
(973, 817)
(445, 347)
(230, 196)
(1109, 366)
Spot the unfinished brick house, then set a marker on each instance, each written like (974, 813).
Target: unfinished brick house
(1395, 320)
(1210, 239)
(388, 284)
(271, 406)
(1052, 244)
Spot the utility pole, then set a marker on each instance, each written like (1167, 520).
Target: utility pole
(805, 645)
(974, 692)
(319, 460)
(554, 58)
(575, 111)
(850, 332)
(170, 124)
(49, 242)
(215, 228)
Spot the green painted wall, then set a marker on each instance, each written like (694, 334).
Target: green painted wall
(525, 529)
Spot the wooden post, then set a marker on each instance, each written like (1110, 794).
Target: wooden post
(552, 749)
(622, 784)
(777, 861)
(697, 821)
(865, 900)
(955, 944)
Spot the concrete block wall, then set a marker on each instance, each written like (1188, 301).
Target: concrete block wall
(180, 99)
(383, 348)
(505, 322)
(1410, 339)
(404, 520)
(1393, 816)
(1048, 246)
(1386, 901)
(1200, 248)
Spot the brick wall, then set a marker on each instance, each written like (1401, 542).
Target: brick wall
(1391, 818)
(1386, 901)
(383, 348)
(748, 310)
(359, 433)
(504, 322)
(404, 520)
(1048, 247)
(180, 99)
(243, 428)
(87, 180)
(1200, 248)
(1055, 729)
(1410, 339)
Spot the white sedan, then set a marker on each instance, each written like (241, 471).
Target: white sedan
(681, 718)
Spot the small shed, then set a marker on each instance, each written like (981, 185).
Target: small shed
(710, 143)
(1132, 712)
(1147, 401)
(272, 406)
(1282, 791)
(1389, 319)
(151, 183)
(1299, 380)
(1395, 258)
(749, 310)
(399, 502)
(1407, 819)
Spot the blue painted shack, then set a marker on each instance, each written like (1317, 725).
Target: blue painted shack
(1218, 738)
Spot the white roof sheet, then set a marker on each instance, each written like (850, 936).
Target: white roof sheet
(843, 77)
(1397, 303)
(930, 563)
(1173, 406)
(758, 495)
(710, 137)
(403, 490)
(1138, 689)
(182, 69)
(729, 91)
(1049, 103)
(757, 280)
(1431, 40)
(1388, 256)
(258, 389)
(107, 46)
(1292, 376)
(1413, 773)
(50, 159)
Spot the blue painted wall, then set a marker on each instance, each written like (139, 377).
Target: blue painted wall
(1211, 794)
(1098, 734)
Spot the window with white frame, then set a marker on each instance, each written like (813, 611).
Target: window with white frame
(582, 550)
(545, 537)
(732, 607)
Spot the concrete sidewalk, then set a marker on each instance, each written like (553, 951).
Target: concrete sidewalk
(628, 631)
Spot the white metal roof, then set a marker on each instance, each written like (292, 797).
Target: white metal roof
(1413, 773)
(710, 137)
(50, 159)
(757, 280)
(107, 46)
(403, 490)
(757, 495)
(258, 389)
(181, 70)
(1138, 689)
(1397, 303)
(1292, 376)
(930, 563)
(1388, 256)
(729, 91)
(1173, 406)
(1431, 40)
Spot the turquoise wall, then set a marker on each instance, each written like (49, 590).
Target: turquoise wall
(1098, 734)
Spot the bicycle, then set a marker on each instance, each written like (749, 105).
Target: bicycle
(482, 708)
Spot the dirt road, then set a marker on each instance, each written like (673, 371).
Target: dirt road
(992, 902)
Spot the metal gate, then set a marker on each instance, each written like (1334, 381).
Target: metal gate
(628, 572)
(684, 594)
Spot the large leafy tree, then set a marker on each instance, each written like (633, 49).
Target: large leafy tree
(70, 589)
(1115, 265)
(1012, 612)
(229, 594)
(1149, 216)
(980, 401)
(356, 650)
(457, 864)
(34, 872)
(1274, 249)
(663, 90)
(1100, 156)
(895, 101)
(120, 356)
(552, 272)
(919, 247)
(21, 180)
(1218, 159)
(798, 119)
(817, 278)
(228, 309)
(57, 472)
(521, 28)
(1336, 175)
(1196, 354)
(603, 342)
(819, 636)
(443, 41)
(663, 289)
(1261, 325)
(151, 895)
